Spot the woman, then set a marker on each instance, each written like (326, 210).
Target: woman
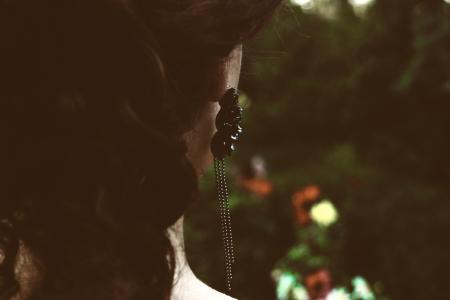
(107, 114)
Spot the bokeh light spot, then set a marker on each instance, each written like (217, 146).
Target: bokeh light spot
(324, 213)
(302, 2)
(360, 2)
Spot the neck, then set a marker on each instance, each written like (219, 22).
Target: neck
(176, 236)
(186, 285)
(184, 281)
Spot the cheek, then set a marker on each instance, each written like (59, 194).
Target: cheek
(199, 139)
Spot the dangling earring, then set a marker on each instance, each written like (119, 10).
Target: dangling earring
(222, 145)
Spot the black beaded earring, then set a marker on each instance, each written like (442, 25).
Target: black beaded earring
(222, 145)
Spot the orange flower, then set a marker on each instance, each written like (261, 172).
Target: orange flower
(311, 192)
(302, 202)
(260, 187)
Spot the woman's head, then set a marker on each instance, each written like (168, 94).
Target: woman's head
(98, 99)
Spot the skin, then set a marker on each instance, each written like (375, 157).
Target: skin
(186, 285)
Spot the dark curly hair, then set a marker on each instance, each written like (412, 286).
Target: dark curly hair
(94, 98)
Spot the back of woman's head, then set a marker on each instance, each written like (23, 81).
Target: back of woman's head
(94, 98)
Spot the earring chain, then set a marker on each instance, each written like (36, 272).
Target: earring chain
(225, 218)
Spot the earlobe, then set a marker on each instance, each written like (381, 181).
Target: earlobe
(233, 67)
(226, 74)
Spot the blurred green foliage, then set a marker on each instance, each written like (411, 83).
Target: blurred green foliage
(359, 105)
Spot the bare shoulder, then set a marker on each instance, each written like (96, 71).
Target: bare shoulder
(189, 287)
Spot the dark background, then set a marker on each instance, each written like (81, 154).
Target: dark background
(353, 100)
